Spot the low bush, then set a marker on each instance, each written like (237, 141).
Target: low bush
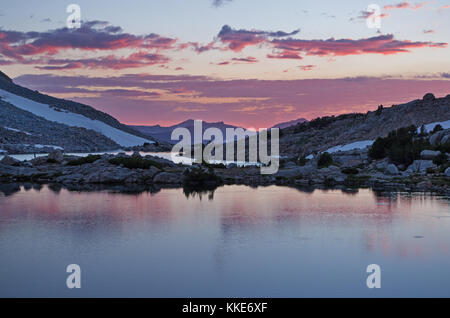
(329, 182)
(135, 163)
(213, 165)
(83, 160)
(199, 176)
(353, 181)
(350, 170)
(440, 159)
(430, 170)
(51, 160)
(302, 161)
(444, 147)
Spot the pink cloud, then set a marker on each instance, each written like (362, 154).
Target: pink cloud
(92, 36)
(307, 67)
(249, 59)
(406, 5)
(287, 47)
(383, 44)
(285, 54)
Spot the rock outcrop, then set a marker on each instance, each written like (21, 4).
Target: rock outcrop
(429, 154)
(392, 169)
(420, 166)
(9, 161)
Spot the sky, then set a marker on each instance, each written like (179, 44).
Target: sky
(252, 63)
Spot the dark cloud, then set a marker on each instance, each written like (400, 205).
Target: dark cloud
(236, 40)
(249, 59)
(134, 60)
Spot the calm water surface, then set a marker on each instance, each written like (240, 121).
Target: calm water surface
(234, 242)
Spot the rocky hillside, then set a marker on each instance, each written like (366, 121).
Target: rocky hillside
(323, 133)
(290, 123)
(8, 85)
(20, 131)
(30, 122)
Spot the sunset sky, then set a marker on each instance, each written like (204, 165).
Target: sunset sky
(252, 63)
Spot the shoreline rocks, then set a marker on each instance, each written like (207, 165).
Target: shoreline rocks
(149, 170)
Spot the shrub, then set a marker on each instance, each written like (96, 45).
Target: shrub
(422, 131)
(199, 176)
(325, 160)
(213, 165)
(402, 146)
(302, 161)
(440, 159)
(430, 170)
(83, 160)
(350, 170)
(437, 128)
(444, 147)
(329, 182)
(135, 163)
(353, 181)
(378, 148)
(379, 110)
(51, 160)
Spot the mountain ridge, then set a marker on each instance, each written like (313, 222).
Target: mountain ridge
(323, 133)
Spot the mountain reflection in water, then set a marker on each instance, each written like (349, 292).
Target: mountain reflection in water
(229, 241)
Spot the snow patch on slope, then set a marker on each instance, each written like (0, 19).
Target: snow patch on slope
(430, 127)
(71, 119)
(17, 130)
(354, 145)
